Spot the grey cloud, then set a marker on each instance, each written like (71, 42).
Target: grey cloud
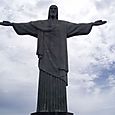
(43, 3)
(18, 98)
(104, 4)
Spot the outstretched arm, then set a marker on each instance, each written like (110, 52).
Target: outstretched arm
(74, 29)
(6, 23)
(21, 28)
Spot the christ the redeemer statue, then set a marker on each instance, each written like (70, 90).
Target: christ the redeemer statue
(53, 58)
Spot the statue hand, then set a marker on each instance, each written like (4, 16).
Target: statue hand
(99, 22)
(6, 23)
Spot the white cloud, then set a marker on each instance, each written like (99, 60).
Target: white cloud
(111, 80)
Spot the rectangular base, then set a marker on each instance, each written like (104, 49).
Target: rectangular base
(51, 113)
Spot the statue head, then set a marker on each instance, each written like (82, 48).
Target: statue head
(53, 12)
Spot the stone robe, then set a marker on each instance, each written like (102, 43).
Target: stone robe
(52, 43)
(53, 58)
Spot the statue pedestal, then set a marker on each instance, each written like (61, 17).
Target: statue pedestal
(51, 113)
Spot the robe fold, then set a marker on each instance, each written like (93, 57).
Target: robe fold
(52, 54)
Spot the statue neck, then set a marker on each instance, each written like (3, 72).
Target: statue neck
(52, 20)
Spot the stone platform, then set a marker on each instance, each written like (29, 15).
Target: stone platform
(51, 113)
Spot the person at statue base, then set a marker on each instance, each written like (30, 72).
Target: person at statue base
(52, 37)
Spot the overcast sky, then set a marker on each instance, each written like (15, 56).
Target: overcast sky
(91, 89)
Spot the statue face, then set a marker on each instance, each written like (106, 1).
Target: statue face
(53, 12)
